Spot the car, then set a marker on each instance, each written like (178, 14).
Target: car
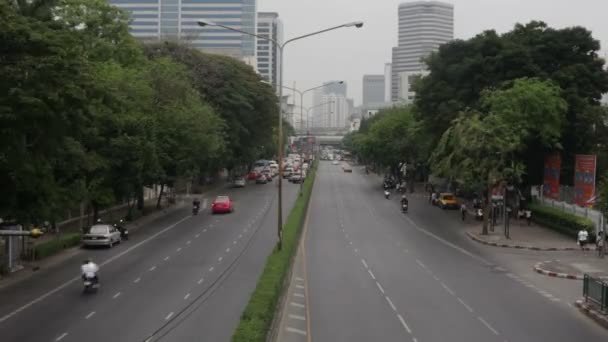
(296, 178)
(239, 182)
(347, 168)
(101, 235)
(252, 175)
(222, 204)
(447, 200)
(261, 179)
(335, 162)
(287, 172)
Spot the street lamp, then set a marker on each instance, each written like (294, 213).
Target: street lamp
(357, 24)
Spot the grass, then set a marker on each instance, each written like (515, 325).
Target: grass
(258, 315)
(55, 246)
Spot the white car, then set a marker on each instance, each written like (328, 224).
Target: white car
(101, 235)
(239, 182)
(335, 162)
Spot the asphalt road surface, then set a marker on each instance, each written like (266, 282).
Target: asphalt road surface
(376, 274)
(180, 278)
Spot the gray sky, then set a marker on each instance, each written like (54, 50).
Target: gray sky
(347, 54)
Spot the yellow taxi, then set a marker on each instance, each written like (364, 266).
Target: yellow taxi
(447, 200)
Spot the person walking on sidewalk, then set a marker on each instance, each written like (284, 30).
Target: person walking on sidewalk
(601, 242)
(463, 211)
(583, 235)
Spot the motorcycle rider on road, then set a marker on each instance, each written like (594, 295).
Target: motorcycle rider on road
(89, 270)
(196, 204)
(404, 200)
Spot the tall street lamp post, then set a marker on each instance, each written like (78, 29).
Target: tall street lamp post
(357, 24)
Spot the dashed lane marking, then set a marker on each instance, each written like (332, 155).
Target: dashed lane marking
(420, 263)
(364, 263)
(380, 287)
(390, 302)
(60, 337)
(488, 326)
(116, 295)
(465, 305)
(197, 235)
(89, 315)
(166, 258)
(299, 286)
(447, 289)
(200, 281)
(211, 269)
(227, 250)
(298, 295)
(220, 259)
(136, 280)
(152, 268)
(178, 249)
(297, 305)
(186, 296)
(298, 317)
(371, 274)
(297, 331)
(169, 316)
(407, 328)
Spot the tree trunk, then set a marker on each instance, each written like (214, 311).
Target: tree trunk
(488, 206)
(140, 199)
(160, 195)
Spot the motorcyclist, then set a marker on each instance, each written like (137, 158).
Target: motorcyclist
(89, 270)
(404, 200)
(196, 204)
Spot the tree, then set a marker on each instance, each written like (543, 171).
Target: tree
(482, 146)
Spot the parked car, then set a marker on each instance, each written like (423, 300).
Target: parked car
(239, 182)
(252, 175)
(101, 235)
(261, 179)
(296, 178)
(222, 204)
(447, 200)
(287, 172)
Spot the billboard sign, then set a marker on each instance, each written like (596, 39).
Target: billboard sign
(584, 179)
(551, 176)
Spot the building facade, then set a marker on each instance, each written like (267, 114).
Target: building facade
(423, 27)
(318, 98)
(373, 89)
(268, 54)
(177, 20)
(334, 111)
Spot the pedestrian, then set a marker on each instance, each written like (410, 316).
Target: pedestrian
(601, 242)
(583, 235)
(463, 211)
(433, 198)
(528, 213)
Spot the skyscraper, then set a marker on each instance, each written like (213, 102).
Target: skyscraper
(373, 89)
(177, 20)
(423, 26)
(268, 54)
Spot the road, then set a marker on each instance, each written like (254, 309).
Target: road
(181, 278)
(375, 274)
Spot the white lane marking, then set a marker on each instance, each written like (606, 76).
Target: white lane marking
(356, 250)
(390, 302)
(301, 318)
(61, 336)
(220, 259)
(297, 331)
(187, 296)
(234, 242)
(152, 268)
(371, 274)
(166, 258)
(299, 279)
(556, 299)
(205, 230)
(364, 263)
(116, 295)
(298, 295)
(447, 289)
(409, 331)
(178, 249)
(420, 263)
(188, 242)
(240, 236)
(228, 250)
(447, 243)
(169, 316)
(488, 325)
(200, 281)
(350, 242)
(297, 305)
(136, 280)
(299, 286)
(380, 287)
(465, 304)
(89, 315)
(436, 277)
(78, 278)
(196, 236)
(211, 269)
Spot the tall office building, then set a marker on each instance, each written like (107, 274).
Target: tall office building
(423, 26)
(373, 89)
(334, 111)
(330, 87)
(268, 54)
(177, 20)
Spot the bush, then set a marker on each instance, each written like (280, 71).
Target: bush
(560, 221)
(56, 245)
(259, 313)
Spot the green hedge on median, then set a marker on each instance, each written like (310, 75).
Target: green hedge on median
(560, 221)
(259, 313)
(56, 245)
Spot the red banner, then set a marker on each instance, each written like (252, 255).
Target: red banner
(551, 176)
(584, 179)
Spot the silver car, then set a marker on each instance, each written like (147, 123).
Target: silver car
(101, 235)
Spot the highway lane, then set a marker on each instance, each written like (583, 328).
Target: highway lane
(148, 286)
(377, 274)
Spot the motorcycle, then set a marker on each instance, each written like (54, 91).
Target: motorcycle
(479, 214)
(195, 209)
(124, 232)
(90, 283)
(387, 194)
(404, 207)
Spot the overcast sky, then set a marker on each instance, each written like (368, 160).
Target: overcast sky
(347, 54)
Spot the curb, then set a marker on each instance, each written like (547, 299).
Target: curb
(539, 269)
(588, 310)
(533, 248)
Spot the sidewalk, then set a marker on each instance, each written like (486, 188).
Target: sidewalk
(575, 268)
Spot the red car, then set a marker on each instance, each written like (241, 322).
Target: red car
(222, 204)
(252, 175)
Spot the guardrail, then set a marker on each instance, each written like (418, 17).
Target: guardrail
(596, 291)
